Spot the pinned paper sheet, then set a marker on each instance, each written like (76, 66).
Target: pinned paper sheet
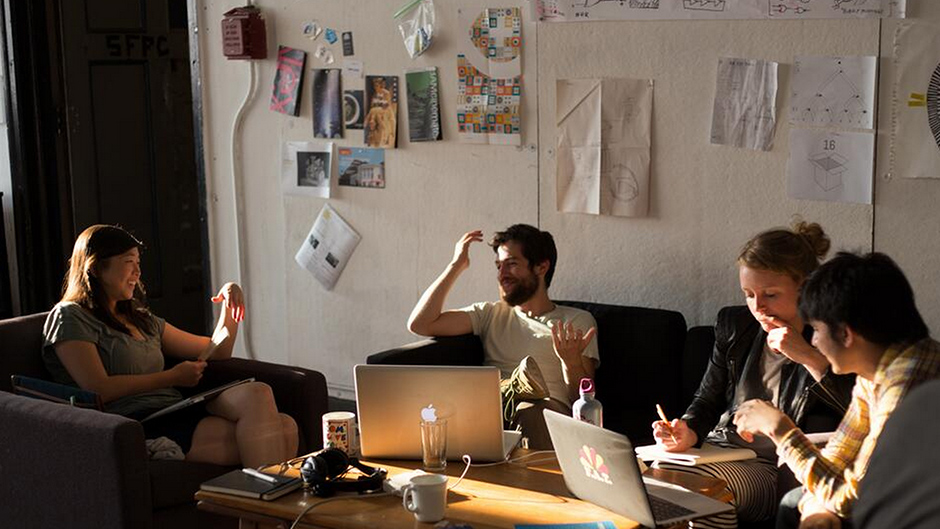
(328, 247)
(831, 166)
(744, 113)
(307, 168)
(915, 134)
(603, 146)
(833, 91)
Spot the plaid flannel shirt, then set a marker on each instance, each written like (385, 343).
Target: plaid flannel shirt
(831, 476)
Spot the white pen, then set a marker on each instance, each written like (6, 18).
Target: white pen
(260, 475)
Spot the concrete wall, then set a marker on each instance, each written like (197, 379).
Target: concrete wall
(706, 200)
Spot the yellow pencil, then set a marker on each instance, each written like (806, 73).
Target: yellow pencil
(662, 415)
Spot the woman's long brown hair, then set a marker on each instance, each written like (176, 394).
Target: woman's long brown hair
(96, 244)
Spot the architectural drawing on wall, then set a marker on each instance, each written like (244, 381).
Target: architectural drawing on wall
(582, 10)
(915, 138)
(833, 91)
(603, 146)
(831, 166)
(704, 5)
(489, 76)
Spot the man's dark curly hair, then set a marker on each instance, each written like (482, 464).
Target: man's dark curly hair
(537, 246)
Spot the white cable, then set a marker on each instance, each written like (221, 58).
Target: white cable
(469, 462)
(236, 200)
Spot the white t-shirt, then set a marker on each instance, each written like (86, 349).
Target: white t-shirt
(509, 335)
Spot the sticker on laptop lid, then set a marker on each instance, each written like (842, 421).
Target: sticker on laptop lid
(594, 465)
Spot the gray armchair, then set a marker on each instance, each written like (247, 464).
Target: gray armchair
(69, 467)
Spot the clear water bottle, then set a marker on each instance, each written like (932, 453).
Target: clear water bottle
(587, 408)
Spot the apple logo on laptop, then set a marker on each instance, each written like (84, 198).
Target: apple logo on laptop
(429, 414)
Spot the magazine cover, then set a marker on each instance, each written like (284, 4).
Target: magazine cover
(327, 104)
(424, 111)
(361, 167)
(288, 80)
(381, 121)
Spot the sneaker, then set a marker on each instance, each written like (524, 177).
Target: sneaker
(525, 383)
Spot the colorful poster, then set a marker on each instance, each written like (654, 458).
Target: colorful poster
(489, 76)
(424, 109)
(361, 167)
(285, 98)
(381, 122)
(327, 104)
(353, 112)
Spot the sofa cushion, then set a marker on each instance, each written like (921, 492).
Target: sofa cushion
(22, 347)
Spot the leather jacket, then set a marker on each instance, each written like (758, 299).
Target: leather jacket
(739, 344)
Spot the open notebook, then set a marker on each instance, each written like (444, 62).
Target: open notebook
(708, 453)
(195, 399)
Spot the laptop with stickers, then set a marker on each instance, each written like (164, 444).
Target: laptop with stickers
(600, 466)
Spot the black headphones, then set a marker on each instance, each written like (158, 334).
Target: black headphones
(322, 472)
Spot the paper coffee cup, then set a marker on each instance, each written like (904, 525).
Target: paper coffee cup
(339, 431)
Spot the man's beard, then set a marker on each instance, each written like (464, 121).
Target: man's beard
(521, 291)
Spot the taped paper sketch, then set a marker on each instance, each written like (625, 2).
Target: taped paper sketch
(831, 166)
(744, 114)
(833, 91)
(575, 10)
(489, 76)
(915, 134)
(603, 146)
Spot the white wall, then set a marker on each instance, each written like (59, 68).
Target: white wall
(706, 200)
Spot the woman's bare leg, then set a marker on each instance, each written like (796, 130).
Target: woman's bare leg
(214, 442)
(259, 429)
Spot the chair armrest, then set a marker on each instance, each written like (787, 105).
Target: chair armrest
(463, 350)
(61, 463)
(300, 393)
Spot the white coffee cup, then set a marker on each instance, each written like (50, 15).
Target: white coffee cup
(426, 497)
(339, 431)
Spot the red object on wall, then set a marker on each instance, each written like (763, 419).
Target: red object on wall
(243, 34)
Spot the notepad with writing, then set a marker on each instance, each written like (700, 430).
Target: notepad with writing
(239, 483)
(694, 456)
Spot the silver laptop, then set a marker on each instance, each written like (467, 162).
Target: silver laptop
(600, 466)
(390, 400)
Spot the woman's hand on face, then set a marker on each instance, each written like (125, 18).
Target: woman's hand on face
(786, 340)
(188, 373)
(675, 436)
(233, 299)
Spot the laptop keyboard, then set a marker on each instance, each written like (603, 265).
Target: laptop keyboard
(665, 510)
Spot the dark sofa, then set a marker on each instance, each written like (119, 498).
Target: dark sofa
(77, 468)
(642, 363)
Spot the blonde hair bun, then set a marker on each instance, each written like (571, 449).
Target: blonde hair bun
(814, 235)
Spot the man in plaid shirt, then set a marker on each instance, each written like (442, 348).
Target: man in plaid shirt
(865, 321)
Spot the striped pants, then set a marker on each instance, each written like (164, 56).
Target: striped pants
(753, 483)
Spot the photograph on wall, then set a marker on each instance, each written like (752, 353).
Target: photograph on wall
(489, 76)
(328, 247)
(327, 103)
(603, 140)
(424, 109)
(307, 168)
(353, 113)
(361, 167)
(915, 129)
(381, 122)
(288, 80)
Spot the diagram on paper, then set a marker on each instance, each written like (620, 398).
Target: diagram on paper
(915, 127)
(744, 111)
(574, 10)
(833, 91)
(831, 166)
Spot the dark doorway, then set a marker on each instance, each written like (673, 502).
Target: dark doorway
(118, 103)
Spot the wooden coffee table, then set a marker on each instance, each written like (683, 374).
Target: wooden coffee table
(493, 497)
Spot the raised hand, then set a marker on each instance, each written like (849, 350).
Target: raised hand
(675, 435)
(462, 249)
(233, 300)
(569, 343)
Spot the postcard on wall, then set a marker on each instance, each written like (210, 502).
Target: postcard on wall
(915, 134)
(328, 247)
(327, 103)
(744, 113)
(424, 109)
(306, 168)
(603, 139)
(489, 76)
(833, 91)
(381, 121)
(285, 98)
(361, 167)
(831, 166)
(353, 112)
